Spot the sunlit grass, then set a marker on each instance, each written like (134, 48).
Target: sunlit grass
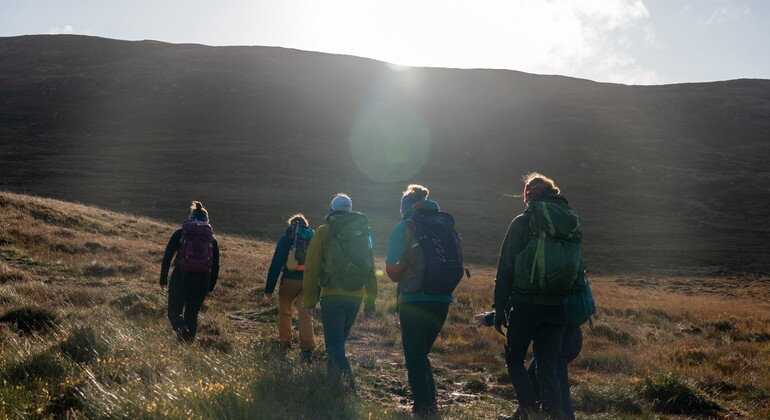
(85, 335)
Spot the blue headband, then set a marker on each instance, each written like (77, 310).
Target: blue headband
(200, 218)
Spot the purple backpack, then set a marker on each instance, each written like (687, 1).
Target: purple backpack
(196, 248)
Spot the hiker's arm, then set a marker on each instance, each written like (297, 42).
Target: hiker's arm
(279, 260)
(395, 263)
(313, 267)
(214, 265)
(171, 248)
(514, 242)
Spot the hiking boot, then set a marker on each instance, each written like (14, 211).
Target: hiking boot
(519, 414)
(183, 335)
(425, 412)
(306, 356)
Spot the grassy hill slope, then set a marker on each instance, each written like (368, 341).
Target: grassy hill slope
(669, 179)
(83, 334)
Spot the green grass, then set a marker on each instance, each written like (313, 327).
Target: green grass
(101, 347)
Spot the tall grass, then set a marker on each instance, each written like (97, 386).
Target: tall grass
(83, 334)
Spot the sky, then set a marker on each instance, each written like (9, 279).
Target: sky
(641, 42)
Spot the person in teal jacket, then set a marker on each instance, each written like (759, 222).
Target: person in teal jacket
(290, 293)
(421, 315)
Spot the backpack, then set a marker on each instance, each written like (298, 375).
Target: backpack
(552, 261)
(196, 248)
(301, 236)
(352, 262)
(442, 253)
(581, 307)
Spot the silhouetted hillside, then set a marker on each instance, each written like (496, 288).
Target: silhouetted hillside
(667, 178)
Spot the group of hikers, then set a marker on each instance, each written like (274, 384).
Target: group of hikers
(541, 294)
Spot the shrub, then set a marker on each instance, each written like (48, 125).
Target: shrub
(603, 400)
(98, 269)
(217, 344)
(43, 366)
(609, 361)
(30, 318)
(620, 337)
(83, 345)
(476, 386)
(690, 356)
(11, 275)
(670, 394)
(313, 395)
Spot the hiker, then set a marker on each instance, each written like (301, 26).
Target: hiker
(340, 261)
(538, 293)
(580, 308)
(196, 268)
(289, 262)
(424, 287)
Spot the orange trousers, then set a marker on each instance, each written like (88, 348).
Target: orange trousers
(290, 294)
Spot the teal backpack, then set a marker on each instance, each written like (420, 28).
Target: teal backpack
(352, 262)
(580, 308)
(552, 261)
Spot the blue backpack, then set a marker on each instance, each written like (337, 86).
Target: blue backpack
(581, 307)
(441, 250)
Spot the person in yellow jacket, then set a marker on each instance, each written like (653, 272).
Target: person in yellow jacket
(341, 292)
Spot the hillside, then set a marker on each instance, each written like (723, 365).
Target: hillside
(83, 334)
(667, 179)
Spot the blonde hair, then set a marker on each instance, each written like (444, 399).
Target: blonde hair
(198, 211)
(297, 217)
(537, 185)
(417, 191)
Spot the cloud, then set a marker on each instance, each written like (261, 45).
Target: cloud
(581, 38)
(726, 14)
(585, 38)
(66, 29)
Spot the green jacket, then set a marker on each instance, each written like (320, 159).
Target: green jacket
(515, 241)
(317, 262)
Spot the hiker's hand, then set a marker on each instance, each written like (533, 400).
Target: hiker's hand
(368, 313)
(163, 286)
(268, 296)
(480, 320)
(311, 311)
(500, 322)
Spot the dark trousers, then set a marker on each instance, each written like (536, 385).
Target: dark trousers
(544, 325)
(186, 293)
(337, 316)
(571, 344)
(420, 324)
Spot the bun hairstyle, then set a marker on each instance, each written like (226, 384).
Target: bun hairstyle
(298, 218)
(413, 194)
(537, 185)
(198, 212)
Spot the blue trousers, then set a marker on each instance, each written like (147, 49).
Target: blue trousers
(571, 344)
(421, 323)
(337, 316)
(544, 325)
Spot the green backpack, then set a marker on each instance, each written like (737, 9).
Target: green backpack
(552, 261)
(352, 262)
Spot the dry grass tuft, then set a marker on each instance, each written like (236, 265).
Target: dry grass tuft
(102, 347)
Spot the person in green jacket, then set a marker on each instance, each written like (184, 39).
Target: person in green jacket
(339, 306)
(536, 316)
(421, 315)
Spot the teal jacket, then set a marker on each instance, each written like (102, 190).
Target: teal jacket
(403, 266)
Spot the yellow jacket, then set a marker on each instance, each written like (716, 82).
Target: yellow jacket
(318, 261)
